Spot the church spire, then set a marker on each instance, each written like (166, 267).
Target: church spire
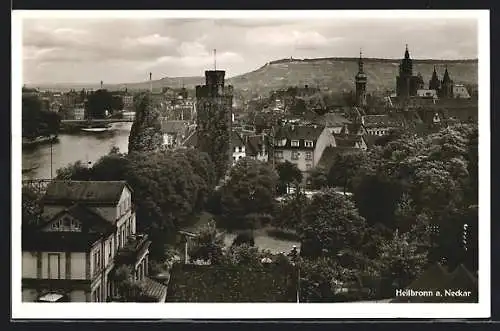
(446, 76)
(407, 52)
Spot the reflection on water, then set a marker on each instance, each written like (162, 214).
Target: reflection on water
(86, 147)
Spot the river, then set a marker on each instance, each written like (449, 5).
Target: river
(71, 148)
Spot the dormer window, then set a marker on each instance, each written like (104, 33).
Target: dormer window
(280, 142)
(295, 143)
(309, 143)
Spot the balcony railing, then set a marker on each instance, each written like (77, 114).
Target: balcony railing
(136, 244)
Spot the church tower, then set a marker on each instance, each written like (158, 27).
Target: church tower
(434, 83)
(446, 85)
(404, 80)
(361, 80)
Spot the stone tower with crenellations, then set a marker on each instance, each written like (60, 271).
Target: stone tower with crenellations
(214, 105)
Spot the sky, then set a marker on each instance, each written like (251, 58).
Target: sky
(127, 50)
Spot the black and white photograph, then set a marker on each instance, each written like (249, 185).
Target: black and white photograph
(252, 157)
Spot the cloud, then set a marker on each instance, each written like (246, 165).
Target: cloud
(122, 50)
(274, 37)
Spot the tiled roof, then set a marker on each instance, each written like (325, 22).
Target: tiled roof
(154, 289)
(255, 143)
(236, 139)
(85, 192)
(331, 120)
(191, 140)
(370, 140)
(347, 141)
(379, 121)
(351, 128)
(174, 127)
(221, 283)
(300, 133)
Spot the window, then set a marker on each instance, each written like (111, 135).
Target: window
(308, 166)
(309, 143)
(76, 225)
(66, 222)
(309, 156)
(280, 142)
(97, 261)
(110, 252)
(295, 155)
(278, 154)
(234, 158)
(295, 143)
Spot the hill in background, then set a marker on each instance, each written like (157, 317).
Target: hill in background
(335, 74)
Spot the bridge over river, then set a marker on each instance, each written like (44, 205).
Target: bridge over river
(98, 121)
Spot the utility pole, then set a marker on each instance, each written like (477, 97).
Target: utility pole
(51, 158)
(215, 59)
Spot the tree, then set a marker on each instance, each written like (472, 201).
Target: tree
(244, 238)
(249, 192)
(288, 174)
(32, 209)
(319, 178)
(98, 103)
(402, 259)
(37, 122)
(331, 222)
(117, 103)
(291, 211)
(145, 134)
(75, 171)
(344, 168)
(208, 245)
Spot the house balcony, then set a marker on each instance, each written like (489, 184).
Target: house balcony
(134, 250)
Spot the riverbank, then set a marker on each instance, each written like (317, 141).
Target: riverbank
(41, 140)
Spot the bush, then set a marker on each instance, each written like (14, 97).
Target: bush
(244, 238)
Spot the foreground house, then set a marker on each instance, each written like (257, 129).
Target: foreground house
(302, 145)
(87, 230)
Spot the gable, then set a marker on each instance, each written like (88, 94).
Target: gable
(63, 223)
(78, 219)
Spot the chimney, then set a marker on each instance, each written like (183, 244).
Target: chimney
(150, 82)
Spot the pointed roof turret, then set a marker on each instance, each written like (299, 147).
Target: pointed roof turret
(446, 77)
(407, 52)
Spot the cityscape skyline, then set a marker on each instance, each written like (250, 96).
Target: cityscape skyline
(77, 50)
